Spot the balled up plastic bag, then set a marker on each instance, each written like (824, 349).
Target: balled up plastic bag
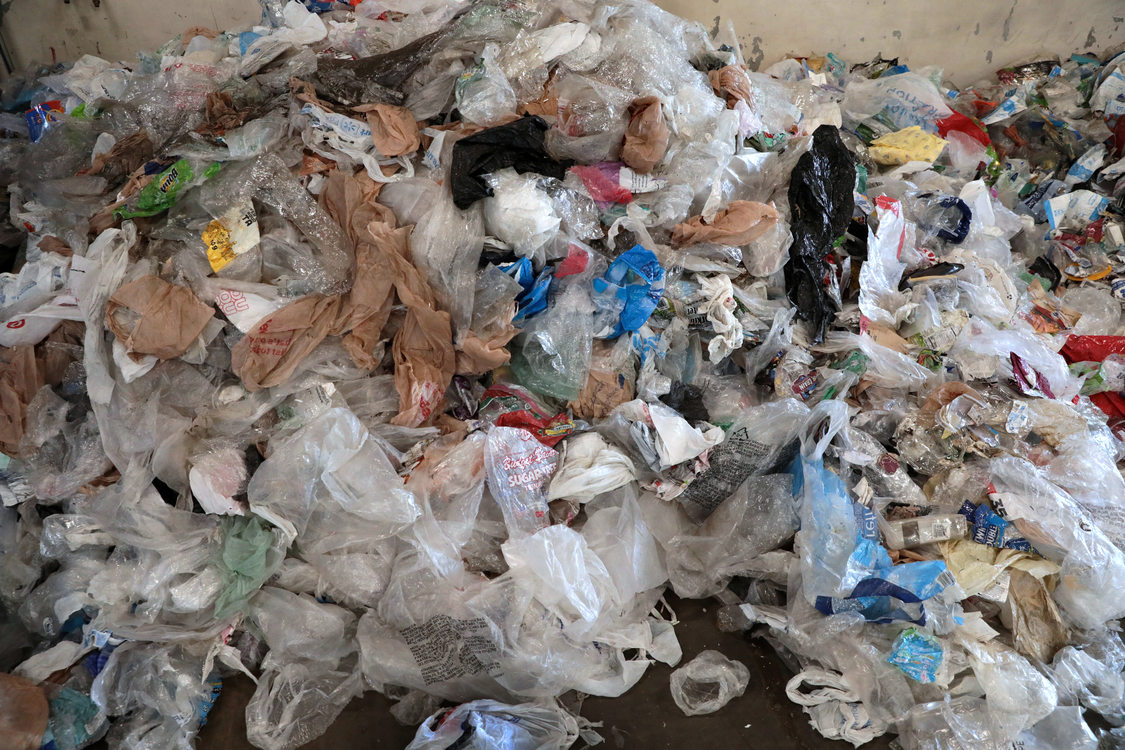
(708, 682)
(821, 202)
(491, 725)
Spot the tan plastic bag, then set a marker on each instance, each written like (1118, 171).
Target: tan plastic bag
(646, 136)
(740, 223)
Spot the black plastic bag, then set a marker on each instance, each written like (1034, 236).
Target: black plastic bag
(518, 144)
(687, 399)
(821, 203)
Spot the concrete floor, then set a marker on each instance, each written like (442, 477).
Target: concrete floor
(645, 717)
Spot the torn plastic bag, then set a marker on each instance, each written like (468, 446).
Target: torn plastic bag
(821, 204)
(633, 284)
(518, 145)
(490, 725)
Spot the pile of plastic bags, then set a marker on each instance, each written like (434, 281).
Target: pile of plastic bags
(423, 346)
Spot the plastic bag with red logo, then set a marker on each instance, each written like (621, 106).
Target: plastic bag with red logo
(519, 469)
(508, 405)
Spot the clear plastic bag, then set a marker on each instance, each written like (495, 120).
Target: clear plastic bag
(484, 95)
(552, 355)
(1082, 678)
(296, 703)
(519, 469)
(490, 725)
(707, 683)
(332, 458)
(520, 213)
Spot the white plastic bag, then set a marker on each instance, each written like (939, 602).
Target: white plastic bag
(589, 467)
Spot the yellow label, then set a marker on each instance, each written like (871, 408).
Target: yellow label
(220, 250)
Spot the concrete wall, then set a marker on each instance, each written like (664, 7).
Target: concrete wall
(971, 38)
(50, 30)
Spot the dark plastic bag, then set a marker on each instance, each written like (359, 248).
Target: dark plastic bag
(518, 144)
(821, 202)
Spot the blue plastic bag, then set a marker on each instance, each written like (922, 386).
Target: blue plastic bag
(533, 300)
(635, 281)
(845, 568)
